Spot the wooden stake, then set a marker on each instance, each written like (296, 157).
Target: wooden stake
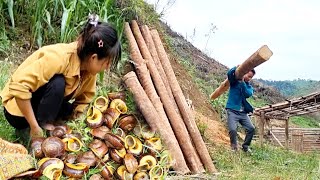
(261, 128)
(260, 56)
(287, 133)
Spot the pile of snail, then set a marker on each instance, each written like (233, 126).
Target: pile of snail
(121, 148)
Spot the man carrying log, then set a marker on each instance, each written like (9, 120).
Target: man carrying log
(238, 108)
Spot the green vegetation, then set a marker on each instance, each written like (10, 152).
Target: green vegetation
(305, 121)
(7, 131)
(267, 162)
(294, 88)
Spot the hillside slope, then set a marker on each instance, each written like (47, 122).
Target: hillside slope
(294, 88)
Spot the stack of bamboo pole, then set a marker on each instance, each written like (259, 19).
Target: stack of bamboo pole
(161, 101)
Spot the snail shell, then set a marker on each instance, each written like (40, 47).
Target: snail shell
(94, 117)
(70, 158)
(101, 103)
(72, 144)
(100, 132)
(131, 163)
(88, 158)
(98, 147)
(121, 171)
(75, 170)
(127, 122)
(110, 116)
(117, 95)
(36, 147)
(117, 156)
(50, 167)
(52, 147)
(60, 131)
(114, 141)
(107, 172)
(141, 176)
(147, 132)
(148, 160)
(133, 144)
(119, 132)
(119, 105)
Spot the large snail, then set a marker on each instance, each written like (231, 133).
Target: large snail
(110, 116)
(75, 170)
(98, 147)
(53, 147)
(114, 141)
(94, 117)
(100, 132)
(118, 155)
(36, 147)
(117, 95)
(148, 161)
(101, 103)
(72, 144)
(50, 168)
(127, 122)
(131, 163)
(60, 131)
(107, 172)
(88, 158)
(133, 145)
(119, 105)
(122, 173)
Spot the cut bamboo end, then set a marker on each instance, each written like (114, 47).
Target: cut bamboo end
(265, 52)
(220, 90)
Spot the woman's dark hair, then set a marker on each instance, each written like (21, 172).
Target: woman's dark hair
(99, 38)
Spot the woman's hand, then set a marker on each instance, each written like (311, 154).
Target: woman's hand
(36, 132)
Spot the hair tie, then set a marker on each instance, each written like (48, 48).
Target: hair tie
(100, 43)
(93, 19)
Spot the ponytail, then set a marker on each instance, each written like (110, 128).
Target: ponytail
(99, 38)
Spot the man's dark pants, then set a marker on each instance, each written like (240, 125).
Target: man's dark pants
(235, 117)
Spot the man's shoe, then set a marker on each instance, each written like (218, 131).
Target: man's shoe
(247, 150)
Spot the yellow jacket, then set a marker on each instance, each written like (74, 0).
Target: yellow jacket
(40, 67)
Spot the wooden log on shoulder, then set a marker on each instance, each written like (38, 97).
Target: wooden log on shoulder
(260, 56)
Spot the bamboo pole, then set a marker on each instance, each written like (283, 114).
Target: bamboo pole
(176, 121)
(162, 124)
(260, 56)
(155, 58)
(182, 104)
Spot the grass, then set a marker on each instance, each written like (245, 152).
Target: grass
(305, 121)
(267, 162)
(7, 131)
